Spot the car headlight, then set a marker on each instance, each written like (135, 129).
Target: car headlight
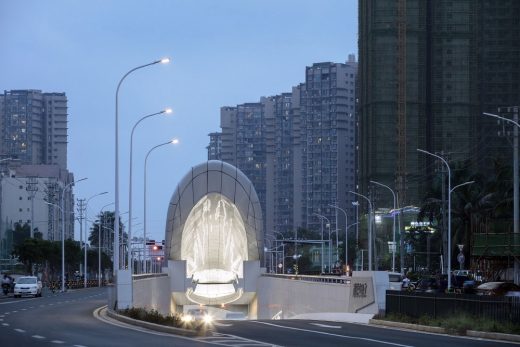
(187, 318)
(208, 319)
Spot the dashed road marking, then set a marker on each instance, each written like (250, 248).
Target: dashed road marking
(59, 342)
(5, 324)
(327, 326)
(39, 337)
(23, 309)
(79, 346)
(19, 330)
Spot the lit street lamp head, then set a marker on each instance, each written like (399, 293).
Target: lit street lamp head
(174, 141)
(165, 60)
(168, 110)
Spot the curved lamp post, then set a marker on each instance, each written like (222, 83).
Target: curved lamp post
(516, 183)
(85, 245)
(174, 141)
(62, 204)
(322, 217)
(370, 245)
(449, 209)
(165, 111)
(346, 237)
(393, 230)
(116, 171)
(99, 242)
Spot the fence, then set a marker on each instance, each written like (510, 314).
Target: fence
(438, 305)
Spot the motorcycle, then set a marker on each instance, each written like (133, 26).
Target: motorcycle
(6, 288)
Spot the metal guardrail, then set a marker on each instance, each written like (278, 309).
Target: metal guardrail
(438, 305)
(146, 276)
(309, 278)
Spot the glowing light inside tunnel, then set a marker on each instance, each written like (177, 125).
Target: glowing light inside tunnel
(214, 245)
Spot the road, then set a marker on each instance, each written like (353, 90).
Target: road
(67, 319)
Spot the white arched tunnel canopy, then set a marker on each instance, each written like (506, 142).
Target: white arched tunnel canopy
(214, 222)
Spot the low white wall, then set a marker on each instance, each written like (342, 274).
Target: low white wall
(290, 296)
(153, 293)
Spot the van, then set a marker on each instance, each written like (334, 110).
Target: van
(395, 281)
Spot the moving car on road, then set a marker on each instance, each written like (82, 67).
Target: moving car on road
(28, 285)
(498, 288)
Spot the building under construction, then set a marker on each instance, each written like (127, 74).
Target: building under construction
(427, 71)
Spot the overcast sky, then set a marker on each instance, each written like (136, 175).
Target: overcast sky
(224, 53)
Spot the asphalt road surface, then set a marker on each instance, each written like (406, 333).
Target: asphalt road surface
(68, 319)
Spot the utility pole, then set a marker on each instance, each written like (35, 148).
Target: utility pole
(32, 188)
(81, 209)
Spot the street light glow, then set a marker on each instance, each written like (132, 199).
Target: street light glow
(174, 141)
(168, 110)
(165, 60)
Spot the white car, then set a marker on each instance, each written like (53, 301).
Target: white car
(27, 285)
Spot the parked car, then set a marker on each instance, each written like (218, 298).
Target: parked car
(497, 288)
(28, 285)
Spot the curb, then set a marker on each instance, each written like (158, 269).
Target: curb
(495, 336)
(156, 327)
(426, 328)
(439, 330)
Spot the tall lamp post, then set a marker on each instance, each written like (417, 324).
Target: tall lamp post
(174, 141)
(116, 171)
(346, 236)
(99, 241)
(322, 217)
(370, 245)
(62, 204)
(393, 230)
(515, 181)
(449, 210)
(165, 111)
(85, 245)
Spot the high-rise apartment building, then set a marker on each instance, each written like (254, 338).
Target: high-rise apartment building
(33, 145)
(428, 69)
(34, 127)
(328, 125)
(298, 148)
(215, 146)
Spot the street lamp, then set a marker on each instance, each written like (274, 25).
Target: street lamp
(449, 210)
(370, 245)
(515, 181)
(99, 242)
(322, 217)
(346, 237)
(116, 171)
(173, 141)
(393, 230)
(85, 245)
(165, 111)
(62, 204)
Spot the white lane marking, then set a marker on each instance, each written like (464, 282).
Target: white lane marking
(222, 324)
(5, 324)
(1, 319)
(79, 346)
(58, 342)
(14, 311)
(23, 309)
(38, 337)
(19, 330)
(327, 326)
(336, 335)
(14, 301)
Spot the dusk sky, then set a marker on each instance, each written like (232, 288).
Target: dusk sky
(224, 53)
